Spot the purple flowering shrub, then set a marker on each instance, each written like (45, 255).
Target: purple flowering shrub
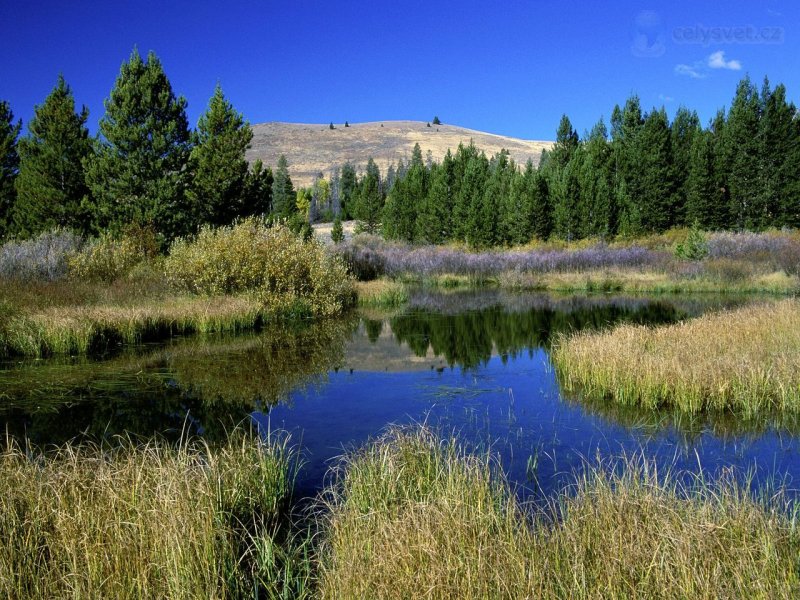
(370, 257)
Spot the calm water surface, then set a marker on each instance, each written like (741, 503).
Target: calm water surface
(474, 364)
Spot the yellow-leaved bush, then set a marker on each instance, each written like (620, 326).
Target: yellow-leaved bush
(288, 275)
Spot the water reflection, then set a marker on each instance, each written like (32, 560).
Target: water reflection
(198, 385)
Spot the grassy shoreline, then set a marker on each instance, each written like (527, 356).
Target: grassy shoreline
(746, 361)
(406, 512)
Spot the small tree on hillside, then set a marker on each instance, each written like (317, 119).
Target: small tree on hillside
(337, 232)
(436, 121)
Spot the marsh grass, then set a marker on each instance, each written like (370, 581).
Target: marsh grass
(80, 329)
(745, 360)
(381, 293)
(144, 520)
(411, 516)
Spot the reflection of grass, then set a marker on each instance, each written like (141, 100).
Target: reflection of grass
(216, 378)
(747, 360)
(145, 521)
(409, 513)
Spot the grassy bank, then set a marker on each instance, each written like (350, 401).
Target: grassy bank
(746, 360)
(106, 292)
(405, 515)
(144, 520)
(410, 516)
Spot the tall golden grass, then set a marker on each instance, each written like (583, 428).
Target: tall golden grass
(746, 360)
(411, 517)
(144, 520)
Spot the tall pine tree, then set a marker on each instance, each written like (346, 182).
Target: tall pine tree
(137, 173)
(219, 169)
(283, 194)
(369, 204)
(9, 165)
(51, 184)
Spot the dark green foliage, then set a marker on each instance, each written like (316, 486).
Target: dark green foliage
(655, 189)
(436, 121)
(51, 184)
(337, 231)
(741, 156)
(346, 124)
(257, 200)
(138, 172)
(597, 214)
(705, 203)
(778, 147)
(347, 188)
(331, 126)
(683, 131)
(9, 164)
(283, 194)
(219, 169)
(369, 204)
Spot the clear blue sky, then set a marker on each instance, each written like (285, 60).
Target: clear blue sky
(511, 68)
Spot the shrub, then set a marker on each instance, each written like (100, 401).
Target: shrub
(286, 273)
(108, 258)
(43, 258)
(695, 247)
(337, 231)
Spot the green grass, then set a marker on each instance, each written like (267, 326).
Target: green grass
(746, 361)
(147, 520)
(410, 516)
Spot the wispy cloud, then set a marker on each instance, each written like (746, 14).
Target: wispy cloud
(689, 71)
(717, 61)
(665, 98)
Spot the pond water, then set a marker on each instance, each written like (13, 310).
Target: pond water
(471, 363)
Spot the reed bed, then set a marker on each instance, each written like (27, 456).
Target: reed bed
(381, 293)
(745, 360)
(79, 329)
(409, 516)
(145, 520)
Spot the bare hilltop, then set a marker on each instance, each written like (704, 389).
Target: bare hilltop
(315, 148)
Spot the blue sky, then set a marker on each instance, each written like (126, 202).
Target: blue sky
(511, 68)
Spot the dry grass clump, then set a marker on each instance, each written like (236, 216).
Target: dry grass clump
(142, 520)
(381, 292)
(746, 360)
(412, 517)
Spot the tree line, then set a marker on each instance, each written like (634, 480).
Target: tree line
(145, 167)
(647, 174)
(643, 174)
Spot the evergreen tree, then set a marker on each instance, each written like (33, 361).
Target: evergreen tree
(257, 199)
(471, 197)
(218, 166)
(705, 204)
(566, 144)
(626, 125)
(436, 121)
(347, 186)
(561, 168)
(516, 220)
(369, 205)
(138, 171)
(9, 165)
(741, 147)
(337, 231)
(655, 179)
(597, 206)
(51, 184)
(777, 140)
(433, 215)
(538, 194)
(283, 195)
(685, 127)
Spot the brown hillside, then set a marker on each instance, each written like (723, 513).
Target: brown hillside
(311, 149)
